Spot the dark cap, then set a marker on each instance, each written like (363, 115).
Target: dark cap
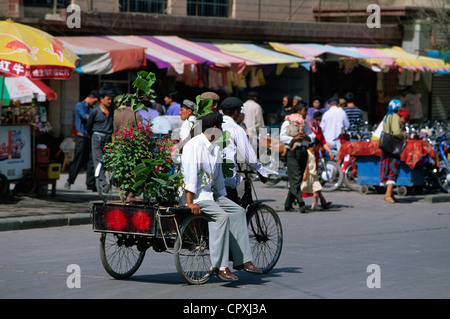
(252, 94)
(333, 100)
(231, 103)
(94, 94)
(188, 104)
(349, 97)
(173, 95)
(211, 120)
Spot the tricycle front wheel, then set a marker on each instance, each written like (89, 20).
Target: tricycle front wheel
(120, 255)
(191, 248)
(266, 236)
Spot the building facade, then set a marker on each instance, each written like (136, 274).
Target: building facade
(404, 23)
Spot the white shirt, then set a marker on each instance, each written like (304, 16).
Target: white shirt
(239, 150)
(333, 121)
(186, 127)
(253, 115)
(201, 166)
(286, 139)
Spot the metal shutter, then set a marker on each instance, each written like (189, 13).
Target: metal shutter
(440, 102)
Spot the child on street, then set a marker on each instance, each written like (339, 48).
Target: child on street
(311, 183)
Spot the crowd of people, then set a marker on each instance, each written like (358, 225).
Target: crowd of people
(322, 123)
(321, 129)
(303, 131)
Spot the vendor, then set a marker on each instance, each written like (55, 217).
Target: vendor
(390, 164)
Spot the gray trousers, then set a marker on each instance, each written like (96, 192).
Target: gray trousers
(296, 164)
(98, 142)
(227, 232)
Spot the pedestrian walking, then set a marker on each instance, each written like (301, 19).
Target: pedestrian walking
(83, 150)
(296, 160)
(253, 113)
(310, 181)
(100, 123)
(318, 134)
(390, 164)
(173, 107)
(333, 122)
(296, 126)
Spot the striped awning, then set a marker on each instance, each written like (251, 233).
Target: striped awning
(258, 55)
(100, 55)
(376, 58)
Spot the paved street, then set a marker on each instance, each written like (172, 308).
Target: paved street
(326, 254)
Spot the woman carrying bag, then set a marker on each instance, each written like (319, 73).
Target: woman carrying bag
(389, 163)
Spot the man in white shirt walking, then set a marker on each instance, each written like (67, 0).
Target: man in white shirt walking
(204, 189)
(333, 122)
(296, 160)
(253, 114)
(238, 149)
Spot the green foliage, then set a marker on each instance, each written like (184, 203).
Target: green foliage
(202, 107)
(142, 164)
(142, 84)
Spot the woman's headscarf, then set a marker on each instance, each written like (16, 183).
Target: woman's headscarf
(394, 107)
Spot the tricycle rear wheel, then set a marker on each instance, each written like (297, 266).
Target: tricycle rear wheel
(192, 257)
(120, 255)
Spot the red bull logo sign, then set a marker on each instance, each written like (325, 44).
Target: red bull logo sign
(15, 45)
(12, 67)
(14, 54)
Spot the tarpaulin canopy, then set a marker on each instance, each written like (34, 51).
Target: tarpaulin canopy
(413, 62)
(99, 55)
(162, 56)
(313, 50)
(394, 57)
(258, 55)
(440, 55)
(203, 54)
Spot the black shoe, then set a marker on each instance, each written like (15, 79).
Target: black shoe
(303, 209)
(326, 205)
(289, 209)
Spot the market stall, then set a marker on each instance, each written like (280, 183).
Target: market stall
(27, 56)
(368, 162)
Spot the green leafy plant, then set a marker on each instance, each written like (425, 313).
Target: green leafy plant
(202, 107)
(142, 164)
(143, 84)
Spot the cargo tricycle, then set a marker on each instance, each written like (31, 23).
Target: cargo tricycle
(128, 230)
